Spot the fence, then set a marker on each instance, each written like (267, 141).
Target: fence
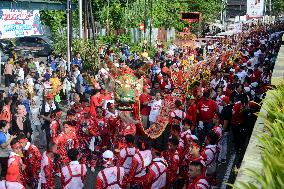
(160, 34)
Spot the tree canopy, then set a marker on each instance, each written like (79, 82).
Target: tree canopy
(120, 14)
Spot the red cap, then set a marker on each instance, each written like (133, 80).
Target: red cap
(59, 113)
(49, 96)
(86, 110)
(146, 87)
(226, 99)
(17, 145)
(23, 140)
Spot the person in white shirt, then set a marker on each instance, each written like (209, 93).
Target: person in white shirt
(41, 69)
(219, 97)
(76, 72)
(36, 61)
(74, 174)
(241, 74)
(20, 73)
(156, 105)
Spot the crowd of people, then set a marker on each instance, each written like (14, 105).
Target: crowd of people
(60, 123)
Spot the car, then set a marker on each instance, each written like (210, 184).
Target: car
(4, 57)
(6, 45)
(38, 45)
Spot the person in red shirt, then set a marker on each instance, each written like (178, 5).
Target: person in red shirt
(166, 84)
(111, 114)
(178, 115)
(54, 125)
(172, 157)
(206, 110)
(193, 154)
(145, 99)
(94, 102)
(46, 178)
(197, 178)
(104, 95)
(257, 73)
(16, 168)
(32, 159)
(126, 154)
(140, 161)
(237, 123)
(101, 124)
(156, 175)
(66, 140)
(191, 111)
(5, 112)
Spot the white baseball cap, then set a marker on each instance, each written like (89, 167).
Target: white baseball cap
(108, 154)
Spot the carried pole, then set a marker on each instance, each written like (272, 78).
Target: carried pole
(145, 18)
(151, 17)
(68, 35)
(0, 68)
(80, 2)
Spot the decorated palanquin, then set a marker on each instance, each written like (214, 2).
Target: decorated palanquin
(127, 89)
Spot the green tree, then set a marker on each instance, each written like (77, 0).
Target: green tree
(54, 19)
(277, 7)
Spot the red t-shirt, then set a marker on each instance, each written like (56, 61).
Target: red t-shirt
(257, 74)
(207, 109)
(94, 103)
(104, 97)
(145, 110)
(191, 113)
(237, 118)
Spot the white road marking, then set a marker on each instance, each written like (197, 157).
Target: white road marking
(228, 171)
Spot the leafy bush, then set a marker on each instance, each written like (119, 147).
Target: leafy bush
(87, 48)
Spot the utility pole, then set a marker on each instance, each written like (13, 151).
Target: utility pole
(69, 38)
(270, 8)
(151, 17)
(145, 19)
(80, 18)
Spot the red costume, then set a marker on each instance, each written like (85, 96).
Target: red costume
(32, 159)
(167, 86)
(125, 157)
(199, 182)
(15, 171)
(54, 129)
(46, 179)
(173, 165)
(101, 127)
(191, 114)
(137, 171)
(65, 142)
(110, 177)
(156, 175)
(113, 122)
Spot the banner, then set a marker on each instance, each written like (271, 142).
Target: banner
(19, 23)
(255, 8)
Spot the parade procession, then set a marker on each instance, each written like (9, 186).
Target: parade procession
(166, 114)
